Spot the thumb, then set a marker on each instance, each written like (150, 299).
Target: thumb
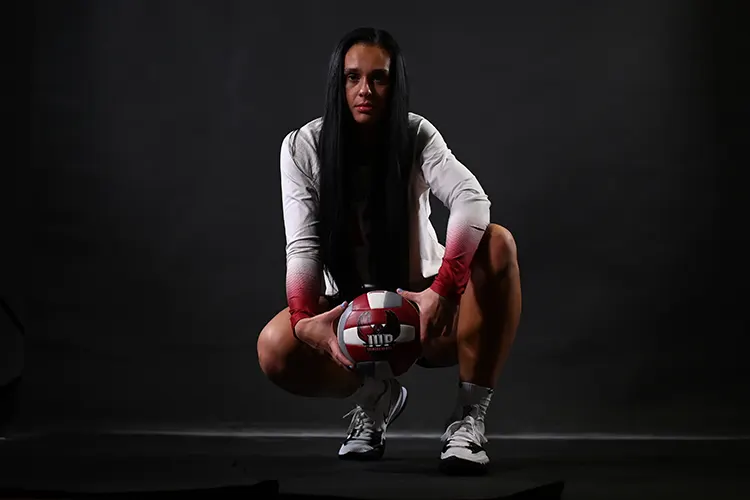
(336, 311)
(407, 295)
(410, 296)
(338, 356)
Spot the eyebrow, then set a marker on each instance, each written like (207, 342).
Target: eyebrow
(356, 70)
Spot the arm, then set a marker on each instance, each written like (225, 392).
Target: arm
(303, 265)
(459, 190)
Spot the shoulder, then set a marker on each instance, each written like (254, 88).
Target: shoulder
(425, 133)
(416, 122)
(299, 148)
(303, 140)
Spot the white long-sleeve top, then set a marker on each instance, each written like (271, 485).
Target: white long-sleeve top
(437, 170)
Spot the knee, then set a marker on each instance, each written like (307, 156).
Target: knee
(501, 249)
(272, 351)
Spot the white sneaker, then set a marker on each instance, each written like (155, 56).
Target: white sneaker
(365, 439)
(463, 451)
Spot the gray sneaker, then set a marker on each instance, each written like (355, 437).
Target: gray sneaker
(463, 447)
(365, 439)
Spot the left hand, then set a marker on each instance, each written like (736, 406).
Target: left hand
(436, 313)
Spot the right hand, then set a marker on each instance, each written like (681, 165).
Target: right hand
(319, 333)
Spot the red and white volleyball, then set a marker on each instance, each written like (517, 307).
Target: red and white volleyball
(382, 327)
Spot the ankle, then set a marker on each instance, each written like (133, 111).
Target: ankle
(473, 400)
(368, 394)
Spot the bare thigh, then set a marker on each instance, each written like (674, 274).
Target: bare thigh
(298, 368)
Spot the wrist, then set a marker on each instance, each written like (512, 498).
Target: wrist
(448, 293)
(296, 319)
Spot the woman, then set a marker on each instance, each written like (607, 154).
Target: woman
(355, 189)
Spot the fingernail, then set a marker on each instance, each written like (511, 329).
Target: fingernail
(399, 290)
(343, 304)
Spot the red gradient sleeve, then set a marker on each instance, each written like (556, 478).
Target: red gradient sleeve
(302, 289)
(459, 190)
(300, 212)
(462, 240)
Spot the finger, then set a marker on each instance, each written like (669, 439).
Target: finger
(452, 326)
(412, 297)
(444, 332)
(339, 357)
(440, 328)
(336, 311)
(424, 331)
(437, 330)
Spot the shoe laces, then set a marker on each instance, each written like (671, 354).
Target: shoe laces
(362, 427)
(464, 431)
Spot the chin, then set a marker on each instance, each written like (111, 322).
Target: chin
(363, 119)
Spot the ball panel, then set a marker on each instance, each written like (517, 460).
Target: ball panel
(400, 364)
(383, 299)
(370, 334)
(360, 303)
(351, 336)
(408, 313)
(359, 353)
(340, 325)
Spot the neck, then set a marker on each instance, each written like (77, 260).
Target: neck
(366, 141)
(367, 136)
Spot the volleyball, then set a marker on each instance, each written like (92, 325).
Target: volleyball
(379, 333)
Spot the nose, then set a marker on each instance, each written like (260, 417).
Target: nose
(364, 88)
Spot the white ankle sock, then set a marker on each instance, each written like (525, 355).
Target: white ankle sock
(369, 392)
(473, 400)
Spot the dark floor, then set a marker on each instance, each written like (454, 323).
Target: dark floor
(589, 469)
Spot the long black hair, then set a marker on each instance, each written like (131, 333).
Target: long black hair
(389, 240)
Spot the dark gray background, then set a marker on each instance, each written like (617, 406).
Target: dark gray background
(605, 134)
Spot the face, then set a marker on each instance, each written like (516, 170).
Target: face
(366, 73)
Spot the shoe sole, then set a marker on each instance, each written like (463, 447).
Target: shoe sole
(454, 466)
(377, 453)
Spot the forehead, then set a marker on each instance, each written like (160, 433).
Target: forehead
(365, 57)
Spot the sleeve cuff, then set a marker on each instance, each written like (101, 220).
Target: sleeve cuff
(447, 290)
(296, 316)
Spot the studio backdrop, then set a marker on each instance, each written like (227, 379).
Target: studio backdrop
(155, 234)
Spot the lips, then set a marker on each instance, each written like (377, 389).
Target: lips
(364, 106)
